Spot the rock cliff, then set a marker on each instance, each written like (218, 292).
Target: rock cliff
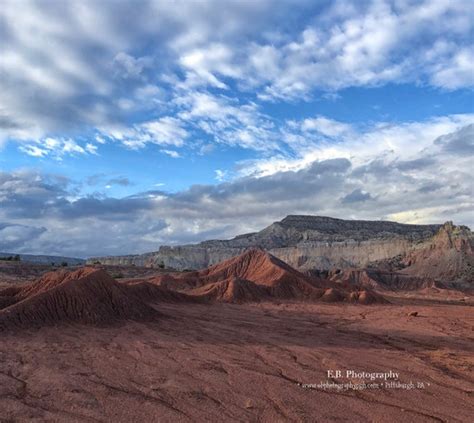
(304, 242)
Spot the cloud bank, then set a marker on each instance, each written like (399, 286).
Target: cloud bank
(422, 180)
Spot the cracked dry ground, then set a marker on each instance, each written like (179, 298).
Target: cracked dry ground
(243, 363)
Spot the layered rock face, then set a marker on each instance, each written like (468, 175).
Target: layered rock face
(447, 257)
(446, 260)
(304, 242)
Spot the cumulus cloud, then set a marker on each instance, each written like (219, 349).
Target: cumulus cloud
(455, 70)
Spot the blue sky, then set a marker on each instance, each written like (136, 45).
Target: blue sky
(125, 125)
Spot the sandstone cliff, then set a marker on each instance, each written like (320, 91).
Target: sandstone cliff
(447, 257)
(304, 242)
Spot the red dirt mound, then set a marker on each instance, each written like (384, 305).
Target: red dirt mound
(256, 276)
(232, 290)
(87, 295)
(51, 280)
(256, 266)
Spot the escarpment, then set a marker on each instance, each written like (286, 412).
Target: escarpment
(310, 243)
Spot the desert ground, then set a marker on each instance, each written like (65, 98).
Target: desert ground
(248, 362)
(253, 362)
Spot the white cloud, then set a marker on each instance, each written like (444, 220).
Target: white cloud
(366, 46)
(227, 121)
(172, 153)
(70, 146)
(403, 141)
(325, 126)
(34, 150)
(455, 72)
(163, 131)
(167, 130)
(57, 148)
(203, 64)
(91, 148)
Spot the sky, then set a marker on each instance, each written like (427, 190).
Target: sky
(130, 124)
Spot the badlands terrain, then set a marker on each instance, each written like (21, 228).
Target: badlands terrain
(253, 337)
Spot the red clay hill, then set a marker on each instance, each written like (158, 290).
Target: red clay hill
(87, 295)
(256, 275)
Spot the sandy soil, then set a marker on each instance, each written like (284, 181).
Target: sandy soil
(226, 362)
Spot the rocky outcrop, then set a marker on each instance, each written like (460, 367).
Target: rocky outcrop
(447, 257)
(304, 242)
(140, 260)
(446, 260)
